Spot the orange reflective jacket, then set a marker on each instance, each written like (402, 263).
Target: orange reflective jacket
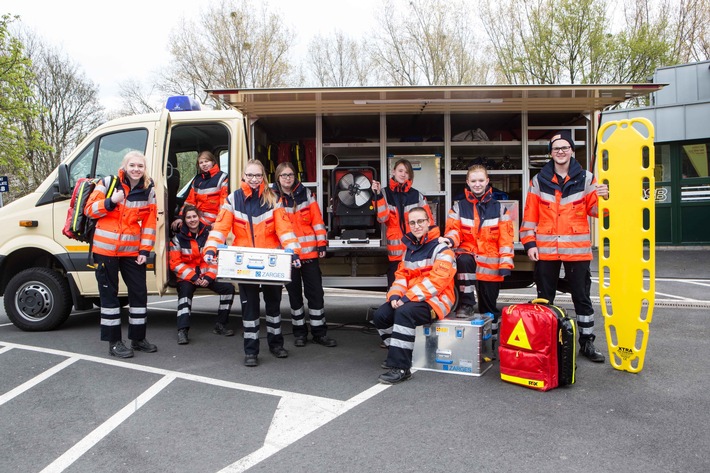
(393, 206)
(253, 223)
(186, 255)
(556, 214)
(306, 218)
(483, 228)
(426, 274)
(208, 192)
(127, 228)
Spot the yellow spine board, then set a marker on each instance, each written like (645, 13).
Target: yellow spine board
(625, 159)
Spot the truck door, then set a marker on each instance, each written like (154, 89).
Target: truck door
(160, 173)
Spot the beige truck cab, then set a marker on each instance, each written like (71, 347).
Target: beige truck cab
(43, 274)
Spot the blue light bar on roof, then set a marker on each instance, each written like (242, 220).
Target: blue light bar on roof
(182, 103)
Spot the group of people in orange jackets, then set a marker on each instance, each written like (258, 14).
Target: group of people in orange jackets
(428, 272)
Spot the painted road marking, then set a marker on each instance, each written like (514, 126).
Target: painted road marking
(85, 444)
(36, 380)
(296, 415)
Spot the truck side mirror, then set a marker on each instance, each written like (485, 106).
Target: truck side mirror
(63, 179)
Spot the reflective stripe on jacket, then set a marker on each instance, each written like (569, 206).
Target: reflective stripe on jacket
(253, 224)
(306, 219)
(482, 227)
(186, 255)
(208, 192)
(393, 206)
(556, 214)
(127, 228)
(426, 274)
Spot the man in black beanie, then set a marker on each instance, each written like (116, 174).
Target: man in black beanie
(555, 231)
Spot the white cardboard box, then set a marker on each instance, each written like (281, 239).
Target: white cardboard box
(253, 265)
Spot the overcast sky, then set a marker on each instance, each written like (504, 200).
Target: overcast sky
(129, 41)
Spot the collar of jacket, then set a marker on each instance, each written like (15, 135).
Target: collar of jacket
(186, 231)
(397, 187)
(411, 242)
(547, 173)
(248, 191)
(487, 195)
(211, 173)
(123, 179)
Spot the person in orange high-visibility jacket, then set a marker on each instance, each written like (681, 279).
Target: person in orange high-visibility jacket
(256, 219)
(208, 191)
(555, 232)
(393, 205)
(307, 221)
(423, 290)
(124, 238)
(481, 231)
(193, 272)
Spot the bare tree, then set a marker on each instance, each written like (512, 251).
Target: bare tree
(69, 103)
(428, 42)
(337, 61)
(235, 44)
(692, 27)
(135, 99)
(548, 42)
(566, 41)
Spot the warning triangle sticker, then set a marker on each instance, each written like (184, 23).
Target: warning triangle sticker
(518, 337)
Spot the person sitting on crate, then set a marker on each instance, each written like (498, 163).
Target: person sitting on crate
(257, 219)
(480, 229)
(555, 231)
(423, 290)
(192, 272)
(307, 220)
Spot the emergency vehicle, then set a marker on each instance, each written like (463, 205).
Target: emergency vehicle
(340, 139)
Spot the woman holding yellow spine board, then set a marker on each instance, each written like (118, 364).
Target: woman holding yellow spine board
(555, 232)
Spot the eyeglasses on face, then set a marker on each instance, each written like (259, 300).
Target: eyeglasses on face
(287, 175)
(418, 223)
(253, 176)
(564, 149)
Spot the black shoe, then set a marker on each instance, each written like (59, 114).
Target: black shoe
(384, 365)
(279, 352)
(464, 311)
(588, 350)
(325, 341)
(220, 329)
(251, 360)
(119, 350)
(395, 375)
(182, 337)
(143, 345)
(300, 341)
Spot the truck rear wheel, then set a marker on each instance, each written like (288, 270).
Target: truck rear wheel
(38, 299)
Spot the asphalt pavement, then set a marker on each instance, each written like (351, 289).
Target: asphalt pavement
(66, 406)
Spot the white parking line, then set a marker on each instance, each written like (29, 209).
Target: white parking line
(85, 444)
(296, 415)
(36, 380)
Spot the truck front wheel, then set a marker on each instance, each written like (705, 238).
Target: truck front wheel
(38, 299)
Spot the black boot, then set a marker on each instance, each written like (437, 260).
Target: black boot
(220, 329)
(182, 337)
(588, 350)
(118, 349)
(395, 375)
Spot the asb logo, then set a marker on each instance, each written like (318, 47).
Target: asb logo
(519, 337)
